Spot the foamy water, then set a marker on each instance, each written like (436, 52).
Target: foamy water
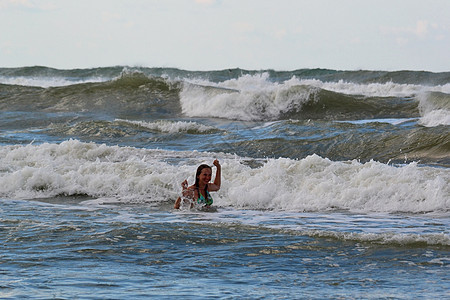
(171, 126)
(46, 82)
(309, 184)
(256, 97)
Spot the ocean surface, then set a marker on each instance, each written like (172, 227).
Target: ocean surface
(335, 184)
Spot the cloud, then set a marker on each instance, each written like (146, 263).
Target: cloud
(280, 34)
(14, 3)
(112, 17)
(205, 2)
(355, 41)
(26, 4)
(6, 47)
(109, 16)
(298, 30)
(243, 27)
(420, 29)
(401, 41)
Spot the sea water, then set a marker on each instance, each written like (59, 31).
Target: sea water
(334, 184)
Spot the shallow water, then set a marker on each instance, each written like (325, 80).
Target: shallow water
(96, 251)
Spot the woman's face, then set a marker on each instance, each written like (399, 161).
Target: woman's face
(205, 176)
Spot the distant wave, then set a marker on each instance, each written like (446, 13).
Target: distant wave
(249, 96)
(47, 81)
(347, 140)
(435, 109)
(323, 75)
(168, 126)
(131, 92)
(49, 77)
(124, 128)
(257, 98)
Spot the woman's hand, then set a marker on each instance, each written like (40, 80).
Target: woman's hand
(216, 163)
(216, 185)
(187, 192)
(184, 184)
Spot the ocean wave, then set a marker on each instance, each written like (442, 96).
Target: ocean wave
(167, 126)
(390, 238)
(46, 82)
(48, 77)
(99, 129)
(130, 92)
(249, 97)
(436, 118)
(76, 168)
(317, 184)
(387, 89)
(367, 228)
(255, 97)
(39, 76)
(434, 108)
(310, 184)
(323, 75)
(264, 80)
(119, 128)
(344, 141)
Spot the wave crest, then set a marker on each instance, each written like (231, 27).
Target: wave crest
(309, 184)
(434, 108)
(167, 126)
(256, 97)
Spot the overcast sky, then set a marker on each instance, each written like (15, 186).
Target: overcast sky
(219, 34)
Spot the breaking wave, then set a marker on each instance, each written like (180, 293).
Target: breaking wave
(249, 97)
(311, 184)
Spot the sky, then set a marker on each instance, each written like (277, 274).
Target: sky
(219, 34)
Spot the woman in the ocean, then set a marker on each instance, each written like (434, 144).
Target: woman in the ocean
(199, 191)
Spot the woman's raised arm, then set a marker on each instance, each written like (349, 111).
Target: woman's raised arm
(217, 181)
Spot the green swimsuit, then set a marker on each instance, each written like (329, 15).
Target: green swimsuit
(201, 200)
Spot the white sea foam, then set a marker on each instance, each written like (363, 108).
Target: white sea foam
(435, 118)
(384, 238)
(315, 184)
(73, 167)
(388, 121)
(256, 97)
(168, 126)
(46, 82)
(434, 110)
(310, 184)
(388, 89)
(246, 98)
